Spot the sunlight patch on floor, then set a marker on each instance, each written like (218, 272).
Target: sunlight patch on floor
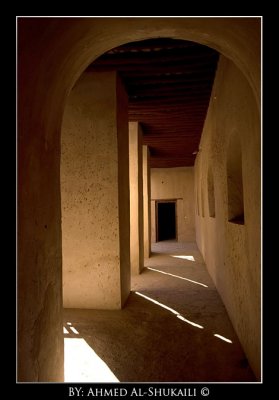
(82, 364)
(178, 315)
(189, 258)
(223, 338)
(177, 276)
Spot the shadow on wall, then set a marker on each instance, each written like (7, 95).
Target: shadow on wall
(149, 341)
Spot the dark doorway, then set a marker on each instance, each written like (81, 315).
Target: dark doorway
(165, 220)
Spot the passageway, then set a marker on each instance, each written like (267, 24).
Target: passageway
(173, 328)
(118, 115)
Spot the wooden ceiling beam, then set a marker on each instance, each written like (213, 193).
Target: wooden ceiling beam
(170, 88)
(150, 69)
(181, 58)
(174, 80)
(169, 85)
(159, 44)
(164, 97)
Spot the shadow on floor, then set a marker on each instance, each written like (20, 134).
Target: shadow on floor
(147, 343)
(173, 328)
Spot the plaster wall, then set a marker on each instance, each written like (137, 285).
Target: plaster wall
(94, 148)
(232, 251)
(171, 184)
(136, 197)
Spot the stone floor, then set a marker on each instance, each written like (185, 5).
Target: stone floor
(173, 328)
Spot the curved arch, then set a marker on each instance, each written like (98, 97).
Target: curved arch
(70, 45)
(235, 38)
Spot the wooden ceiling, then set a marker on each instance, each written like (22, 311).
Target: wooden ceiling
(169, 84)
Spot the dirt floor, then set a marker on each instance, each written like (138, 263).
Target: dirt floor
(165, 333)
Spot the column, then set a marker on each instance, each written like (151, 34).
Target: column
(146, 201)
(95, 194)
(136, 198)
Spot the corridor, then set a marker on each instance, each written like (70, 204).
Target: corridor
(173, 328)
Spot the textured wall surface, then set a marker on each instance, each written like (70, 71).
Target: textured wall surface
(90, 152)
(175, 183)
(232, 251)
(136, 197)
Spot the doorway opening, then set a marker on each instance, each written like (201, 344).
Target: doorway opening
(166, 226)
